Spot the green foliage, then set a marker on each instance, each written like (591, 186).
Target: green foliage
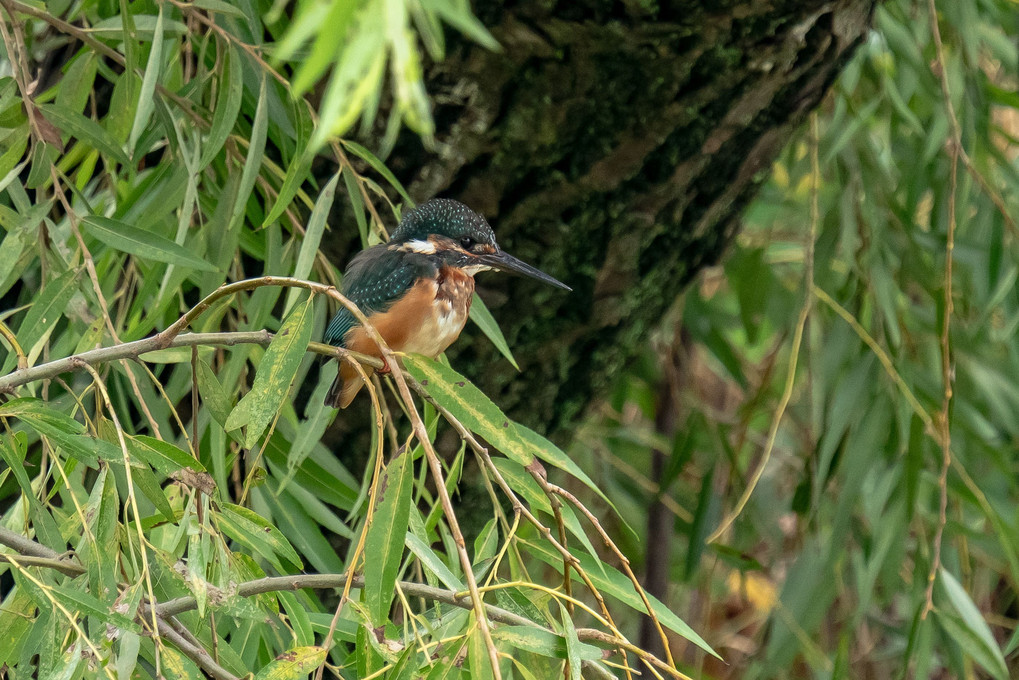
(825, 572)
(164, 489)
(180, 484)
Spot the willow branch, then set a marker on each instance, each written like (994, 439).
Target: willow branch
(296, 582)
(196, 653)
(135, 350)
(125, 350)
(482, 452)
(955, 151)
(36, 554)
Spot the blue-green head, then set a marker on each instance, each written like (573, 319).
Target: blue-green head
(459, 237)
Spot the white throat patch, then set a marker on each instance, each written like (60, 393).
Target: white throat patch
(473, 269)
(418, 246)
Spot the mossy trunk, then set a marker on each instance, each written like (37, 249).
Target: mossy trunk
(614, 145)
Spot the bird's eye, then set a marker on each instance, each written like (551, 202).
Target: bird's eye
(466, 242)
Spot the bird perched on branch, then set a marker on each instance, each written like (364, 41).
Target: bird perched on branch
(416, 289)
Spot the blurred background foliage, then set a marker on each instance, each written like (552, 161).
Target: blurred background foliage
(825, 571)
(776, 459)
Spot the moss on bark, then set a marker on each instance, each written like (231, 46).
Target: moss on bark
(614, 145)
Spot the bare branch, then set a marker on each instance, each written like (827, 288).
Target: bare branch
(134, 350)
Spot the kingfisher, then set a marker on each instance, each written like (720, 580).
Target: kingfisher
(416, 289)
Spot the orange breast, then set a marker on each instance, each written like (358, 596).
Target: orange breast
(426, 320)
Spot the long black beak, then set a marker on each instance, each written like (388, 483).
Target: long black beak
(505, 262)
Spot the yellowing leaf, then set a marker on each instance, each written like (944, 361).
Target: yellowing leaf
(276, 371)
(293, 664)
(386, 533)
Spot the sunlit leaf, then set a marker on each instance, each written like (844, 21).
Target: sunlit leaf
(276, 371)
(145, 244)
(386, 533)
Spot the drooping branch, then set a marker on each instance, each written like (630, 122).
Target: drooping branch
(36, 554)
(170, 338)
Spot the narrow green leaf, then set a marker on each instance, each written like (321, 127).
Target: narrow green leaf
(700, 527)
(299, 619)
(198, 565)
(329, 23)
(212, 392)
(304, 533)
(43, 315)
(276, 371)
(386, 535)
(543, 642)
(296, 174)
(253, 160)
(228, 105)
(378, 166)
(143, 27)
(13, 451)
(75, 599)
(611, 581)
(487, 542)
(294, 664)
(143, 244)
(249, 527)
(146, 481)
(312, 237)
(469, 405)
(72, 657)
(486, 322)
(971, 630)
(553, 455)
(85, 130)
(19, 611)
(220, 7)
(459, 16)
(433, 563)
(163, 456)
(356, 204)
(98, 548)
(146, 100)
(477, 652)
(574, 647)
(176, 665)
(61, 429)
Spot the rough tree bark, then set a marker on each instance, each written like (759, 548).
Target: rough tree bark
(614, 144)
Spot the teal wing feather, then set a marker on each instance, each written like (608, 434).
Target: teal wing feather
(374, 280)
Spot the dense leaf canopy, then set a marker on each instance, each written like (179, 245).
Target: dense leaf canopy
(807, 470)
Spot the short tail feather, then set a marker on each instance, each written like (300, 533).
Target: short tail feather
(346, 386)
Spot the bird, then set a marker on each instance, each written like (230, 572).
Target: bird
(416, 289)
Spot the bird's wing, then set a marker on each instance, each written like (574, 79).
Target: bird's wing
(375, 279)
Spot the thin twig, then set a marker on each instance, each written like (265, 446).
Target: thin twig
(63, 566)
(373, 496)
(794, 351)
(36, 554)
(624, 561)
(196, 653)
(540, 476)
(132, 497)
(518, 506)
(447, 507)
(942, 421)
(127, 350)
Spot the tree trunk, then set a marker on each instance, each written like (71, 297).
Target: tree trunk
(613, 145)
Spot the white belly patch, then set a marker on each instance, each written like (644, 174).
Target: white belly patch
(440, 329)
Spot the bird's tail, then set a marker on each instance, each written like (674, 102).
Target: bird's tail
(346, 386)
